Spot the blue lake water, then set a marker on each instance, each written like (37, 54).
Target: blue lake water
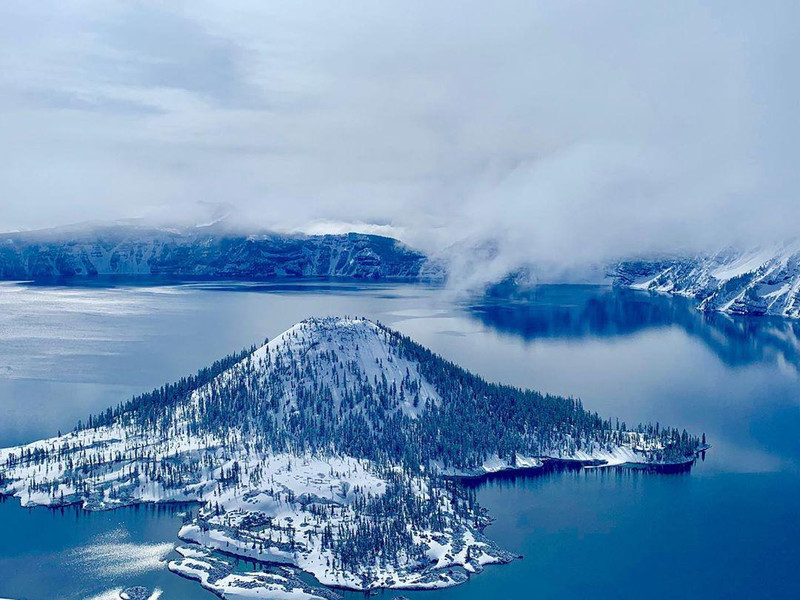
(728, 529)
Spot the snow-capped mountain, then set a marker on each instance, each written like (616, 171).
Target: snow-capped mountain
(202, 252)
(763, 281)
(328, 449)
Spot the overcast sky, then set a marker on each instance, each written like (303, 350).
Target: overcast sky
(560, 128)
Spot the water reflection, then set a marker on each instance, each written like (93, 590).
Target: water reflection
(561, 311)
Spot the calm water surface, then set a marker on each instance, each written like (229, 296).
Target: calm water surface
(728, 529)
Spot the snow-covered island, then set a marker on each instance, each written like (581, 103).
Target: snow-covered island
(334, 449)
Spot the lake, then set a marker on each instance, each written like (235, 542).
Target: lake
(730, 528)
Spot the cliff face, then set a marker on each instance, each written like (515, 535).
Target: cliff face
(204, 254)
(764, 281)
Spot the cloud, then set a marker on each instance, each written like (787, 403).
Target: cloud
(568, 131)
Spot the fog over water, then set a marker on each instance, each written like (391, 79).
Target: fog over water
(567, 132)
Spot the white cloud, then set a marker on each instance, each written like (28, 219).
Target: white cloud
(572, 129)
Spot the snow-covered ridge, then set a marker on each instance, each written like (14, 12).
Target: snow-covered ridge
(325, 450)
(762, 281)
(205, 252)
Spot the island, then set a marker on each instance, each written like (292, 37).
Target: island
(335, 449)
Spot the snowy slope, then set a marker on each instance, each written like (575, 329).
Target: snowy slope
(761, 281)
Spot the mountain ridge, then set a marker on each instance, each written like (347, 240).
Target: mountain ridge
(213, 251)
(760, 281)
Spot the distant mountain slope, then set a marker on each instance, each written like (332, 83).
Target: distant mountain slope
(203, 252)
(330, 449)
(764, 281)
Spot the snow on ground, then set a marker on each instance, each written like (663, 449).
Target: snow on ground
(352, 340)
(745, 263)
(217, 575)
